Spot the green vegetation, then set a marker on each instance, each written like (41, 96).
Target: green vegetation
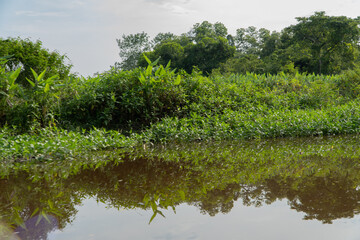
(155, 104)
(317, 44)
(143, 99)
(31, 55)
(76, 137)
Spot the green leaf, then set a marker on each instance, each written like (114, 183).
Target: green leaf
(31, 82)
(41, 76)
(153, 206)
(147, 59)
(36, 76)
(12, 87)
(155, 62)
(52, 78)
(177, 80)
(149, 70)
(172, 72)
(51, 205)
(153, 216)
(142, 79)
(4, 93)
(146, 200)
(35, 211)
(6, 57)
(47, 88)
(12, 77)
(38, 219)
(45, 216)
(168, 65)
(159, 212)
(158, 71)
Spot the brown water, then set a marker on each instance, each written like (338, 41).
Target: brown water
(298, 189)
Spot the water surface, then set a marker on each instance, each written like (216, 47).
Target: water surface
(274, 189)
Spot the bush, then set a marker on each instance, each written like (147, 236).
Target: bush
(117, 99)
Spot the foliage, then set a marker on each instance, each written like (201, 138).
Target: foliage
(349, 83)
(327, 40)
(7, 88)
(204, 47)
(27, 106)
(271, 124)
(133, 100)
(207, 54)
(29, 55)
(318, 44)
(131, 47)
(48, 144)
(166, 52)
(122, 99)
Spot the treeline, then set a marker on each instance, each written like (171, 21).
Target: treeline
(317, 44)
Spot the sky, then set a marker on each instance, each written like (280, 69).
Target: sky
(86, 30)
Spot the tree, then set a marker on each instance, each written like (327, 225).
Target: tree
(329, 42)
(207, 54)
(31, 55)
(131, 47)
(206, 29)
(163, 37)
(167, 51)
(205, 46)
(257, 42)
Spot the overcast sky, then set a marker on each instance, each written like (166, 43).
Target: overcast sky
(86, 30)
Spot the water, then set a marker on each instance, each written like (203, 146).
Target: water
(275, 189)
(275, 221)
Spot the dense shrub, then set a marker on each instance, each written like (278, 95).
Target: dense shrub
(121, 99)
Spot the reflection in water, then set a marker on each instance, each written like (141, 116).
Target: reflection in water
(319, 178)
(37, 227)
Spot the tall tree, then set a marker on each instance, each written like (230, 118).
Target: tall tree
(331, 42)
(205, 46)
(131, 47)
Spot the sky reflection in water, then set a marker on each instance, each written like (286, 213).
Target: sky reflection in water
(248, 190)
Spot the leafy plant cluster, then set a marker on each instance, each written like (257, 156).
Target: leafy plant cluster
(124, 99)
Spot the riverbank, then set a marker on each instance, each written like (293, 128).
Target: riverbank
(125, 109)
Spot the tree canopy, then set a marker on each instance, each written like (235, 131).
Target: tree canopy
(319, 44)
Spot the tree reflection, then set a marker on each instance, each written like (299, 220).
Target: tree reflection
(325, 190)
